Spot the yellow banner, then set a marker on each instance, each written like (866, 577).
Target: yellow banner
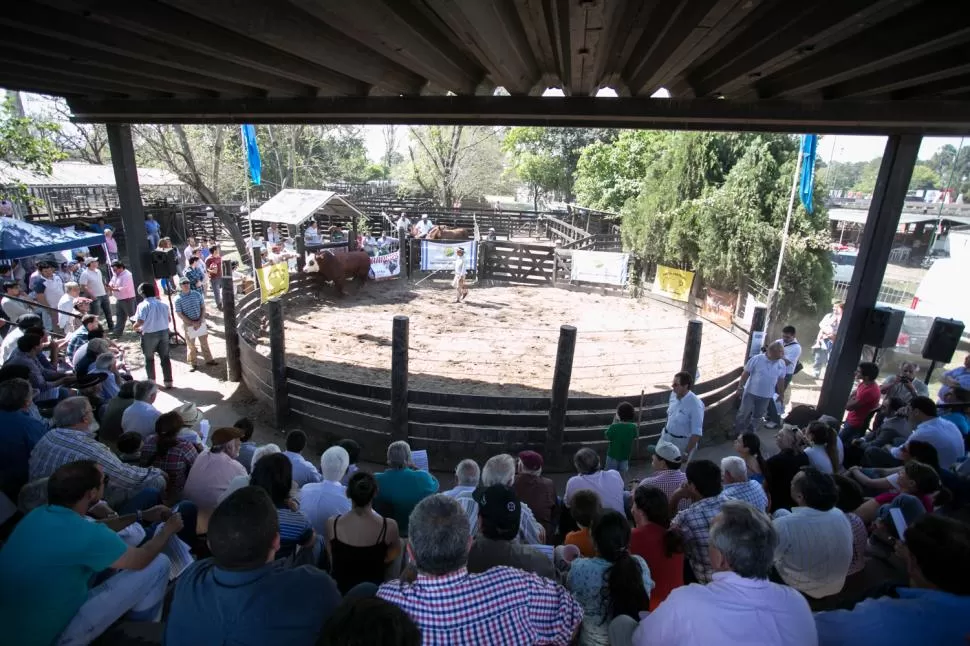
(274, 281)
(673, 283)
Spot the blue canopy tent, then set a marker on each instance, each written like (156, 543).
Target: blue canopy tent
(19, 239)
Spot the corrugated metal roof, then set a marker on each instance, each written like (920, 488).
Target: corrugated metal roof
(294, 206)
(82, 174)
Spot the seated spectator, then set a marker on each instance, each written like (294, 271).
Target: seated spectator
(654, 541)
(703, 489)
(876, 481)
(927, 427)
(612, 584)
(50, 559)
(240, 481)
(850, 499)
(500, 470)
(667, 474)
(129, 448)
(904, 385)
(607, 484)
(499, 512)
(246, 445)
(510, 606)
(894, 428)
(20, 434)
(71, 439)
(114, 410)
(13, 308)
(80, 336)
(536, 492)
(88, 354)
(107, 364)
(240, 596)
(734, 475)
(956, 409)
(916, 479)
(402, 485)
(212, 471)
(823, 448)
(862, 404)
(782, 467)
(369, 622)
(141, 415)
(585, 510)
(322, 500)
(815, 538)
(353, 451)
(303, 471)
(47, 384)
(24, 322)
(739, 606)
(361, 544)
(934, 609)
(165, 450)
(748, 446)
(467, 477)
(274, 473)
(621, 435)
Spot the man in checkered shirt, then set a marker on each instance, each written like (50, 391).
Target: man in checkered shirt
(450, 606)
(190, 306)
(703, 487)
(734, 474)
(666, 476)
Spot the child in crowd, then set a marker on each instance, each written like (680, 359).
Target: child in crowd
(129, 448)
(585, 509)
(621, 434)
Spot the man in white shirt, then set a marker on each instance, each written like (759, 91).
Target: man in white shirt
(321, 500)
(739, 606)
(92, 281)
(402, 223)
(763, 377)
(141, 415)
(303, 471)
(943, 434)
(467, 475)
(424, 225)
(685, 417)
(312, 234)
(828, 327)
(793, 352)
(66, 304)
(815, 538)
(48, 289)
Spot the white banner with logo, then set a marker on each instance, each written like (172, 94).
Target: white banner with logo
(386, 266)
(606, 267)
(440, 256)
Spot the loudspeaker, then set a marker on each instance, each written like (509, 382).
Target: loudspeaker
(164, 263)
(943, 339)
(881, 329)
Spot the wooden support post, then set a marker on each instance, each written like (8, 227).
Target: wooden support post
(277, 360)
(560, 393)
(692, 347)
(405, 254)
(352, 241)
(233, 364)
(756, 337)
(399, 379)
(300, 253)
(257, 265)
(555, 266)
(130, 205)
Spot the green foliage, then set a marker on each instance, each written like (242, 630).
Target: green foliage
(952, 167)
(842, 176)
(307, 156)
(547, 158)
(452, 162)
(609, 174)
(26, 142)
(924, 177)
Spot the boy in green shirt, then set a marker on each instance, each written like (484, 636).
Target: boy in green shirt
(621, 434)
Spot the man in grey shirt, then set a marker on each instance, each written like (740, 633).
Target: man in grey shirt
(499, 512)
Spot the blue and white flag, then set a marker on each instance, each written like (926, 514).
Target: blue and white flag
(806, 184)
(252, 153)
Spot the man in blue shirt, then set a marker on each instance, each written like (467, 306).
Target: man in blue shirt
(153, 230)
(20, 433)
(935, 609)
(242, 595)
(402, 486)
(151, 321)
(190, 306)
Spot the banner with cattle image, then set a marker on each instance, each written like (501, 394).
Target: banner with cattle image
(386, 266)
(440, 256)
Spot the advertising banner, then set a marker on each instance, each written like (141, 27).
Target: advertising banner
(606, 267)
(440, 256)
(274, 281)
(673, 283)
(719, 306)
(386, 266)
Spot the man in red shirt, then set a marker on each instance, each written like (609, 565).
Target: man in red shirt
(863, 402)
(213, 267)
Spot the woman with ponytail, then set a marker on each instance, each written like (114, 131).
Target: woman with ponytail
(654, 541)
(613, 583)
(748, 446)
(172, 454)
(823, 450)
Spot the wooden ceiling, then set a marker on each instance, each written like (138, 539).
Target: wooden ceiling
(904, 63)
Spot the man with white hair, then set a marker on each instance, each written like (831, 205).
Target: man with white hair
(402, 485)
(739, 606)
(106, 363)
(65, 305)
(141, 416)
(467, 476)
(763, 377)
(737, 486)
(321, 500)
(500, 470)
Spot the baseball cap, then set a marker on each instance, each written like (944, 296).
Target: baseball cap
(531, 460)
(224, 435)
(911, 506)
(184, 281)
(499, 507)
(89, 261)
(666, 451)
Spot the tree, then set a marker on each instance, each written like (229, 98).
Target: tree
(924, 177)
(454, 162)
(26, 142)
(953, 167)
(560, 148)
(305, 156)
(87, 142)
(841, 176)
(609, 174)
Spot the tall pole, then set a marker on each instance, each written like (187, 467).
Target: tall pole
(949, 184)
(784, 239)
(249, 206)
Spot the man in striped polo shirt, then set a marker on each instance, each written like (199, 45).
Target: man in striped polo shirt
(151, 321)
(190, 306)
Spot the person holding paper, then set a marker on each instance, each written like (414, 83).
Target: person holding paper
(402, 486)
(190, 306)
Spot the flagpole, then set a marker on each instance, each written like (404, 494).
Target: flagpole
(249, 208)
(784, 238)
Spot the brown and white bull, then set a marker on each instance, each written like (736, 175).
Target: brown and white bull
(338, 267)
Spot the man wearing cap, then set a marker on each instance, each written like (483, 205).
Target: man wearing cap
(92, 282)
(151, 321)
(667, 474)
(685, 417)
(212, 471)
(48, 288)
(402, 223)
(12, 308)
(459, 280)
(499, 515)
(190, 306)
(535, 491)
(122, 285)
(423, 226)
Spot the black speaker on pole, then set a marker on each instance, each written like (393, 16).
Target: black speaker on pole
(882, 327)
(164, 263)
(943, 339)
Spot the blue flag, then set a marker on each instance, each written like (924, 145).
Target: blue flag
(252, 153)
(806, 184)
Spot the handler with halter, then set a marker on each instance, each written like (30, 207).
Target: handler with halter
(459, 280)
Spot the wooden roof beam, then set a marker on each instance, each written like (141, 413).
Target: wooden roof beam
(56, 78)
(940, 88)
(623, 34)
(539, 18)
(933, 67)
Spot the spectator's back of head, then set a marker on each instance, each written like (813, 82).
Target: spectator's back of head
(939, 554)
(127, 390)
(625, 412)
(334, 463)
(705, 477)
(105, 361)
(72, 481)
(815, 489)
(296, 441)
(145, 391)
(15, 394)
(244, 530)
(745, 539)
(273, 473)
(850, 494)
(71, 412)
(734, 469)
(924, 406)
(398, 454)
(585, 507)
(439, 535)
(98, 346)
(586, 461)
(147, 290)
(245, 425)
(352, 448)
(28, 342)
(129, 442)
(369, 622)
(499, 470)
(14, 371)
(467, 473)
(27, 321)
(362, 489)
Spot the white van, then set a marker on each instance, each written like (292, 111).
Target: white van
(943, 290)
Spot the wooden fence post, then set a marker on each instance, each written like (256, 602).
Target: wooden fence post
(560, 393)
(233, 365)
(352, 242)
(692, 347)
(405, 253)
(399, 379)
(756, 336)
(300, 253)
(277, 359)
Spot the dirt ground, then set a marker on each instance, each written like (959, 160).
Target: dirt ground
(501, 341)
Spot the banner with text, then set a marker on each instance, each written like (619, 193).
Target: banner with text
(606, 267)
(719, 306)
(386, 266)
(673, 283)
(440, 256)
(274, 281)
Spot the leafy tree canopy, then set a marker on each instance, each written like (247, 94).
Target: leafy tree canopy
(551, 155)
(26, 142)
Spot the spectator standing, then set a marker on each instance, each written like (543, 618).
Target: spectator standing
(654, 541)
(66, 306)
(164, 450)
(141, 415)
(196, 274)
(110, 244)
(607, 484)
(212, 471)
(621, 435)
(792, 353)
(213, 268)
(499, 513)
(370, 622)
(92, 282)
(863, 403)
(122, 286)
(781, 468)
(535, 491)
(151, 321)
(20, 435)
(828, 327)
(312, 234)
(153, 230)
(763, 377)
(303, 470)
(685, 417)
(14, 308)
(402, 486)
(667, 474)
(511, 606)
(737, 486)
(190, 307)
(703, 488)
(586, 509)
(322, 500)
(47, 288)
